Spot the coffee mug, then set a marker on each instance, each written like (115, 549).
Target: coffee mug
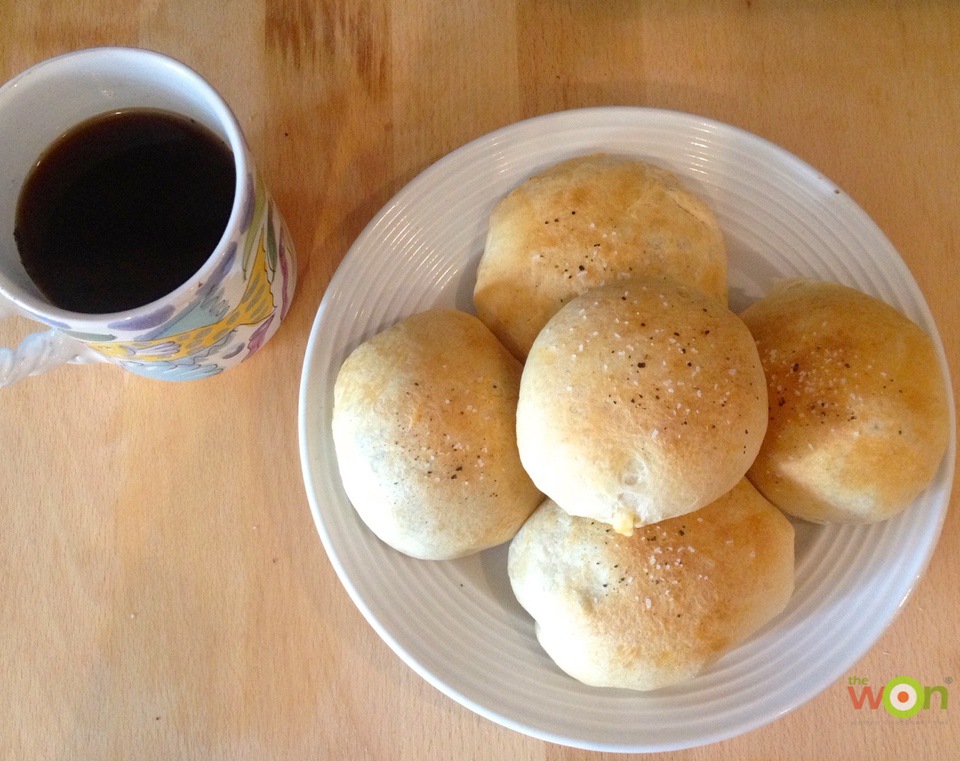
(224, 312)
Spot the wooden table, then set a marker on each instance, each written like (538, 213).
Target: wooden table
(163, 591)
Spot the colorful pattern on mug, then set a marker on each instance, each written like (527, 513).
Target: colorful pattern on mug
(218, 328)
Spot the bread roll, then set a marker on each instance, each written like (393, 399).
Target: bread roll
(640, 402)
(587, 222)
(424, 423)
(859, 418)
(655, 608)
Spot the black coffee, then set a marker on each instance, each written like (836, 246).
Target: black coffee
(123, 209)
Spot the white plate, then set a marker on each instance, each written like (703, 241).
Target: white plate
(457, 623)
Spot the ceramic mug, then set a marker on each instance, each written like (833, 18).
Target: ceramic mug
(227, 309)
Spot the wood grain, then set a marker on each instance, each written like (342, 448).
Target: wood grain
(163, 592)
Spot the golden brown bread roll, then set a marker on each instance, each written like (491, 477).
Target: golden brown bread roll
(424, 429)
(586, 222)
(655, 608)
(640, 402)
(858, 406)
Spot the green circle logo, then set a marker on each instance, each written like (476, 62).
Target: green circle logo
(903, 697)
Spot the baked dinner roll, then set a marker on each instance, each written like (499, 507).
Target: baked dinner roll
(640, 402)
(655, 608)
(591, 221)
(859, 418)
(424, 426)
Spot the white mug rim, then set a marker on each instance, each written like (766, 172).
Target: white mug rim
(95, 322)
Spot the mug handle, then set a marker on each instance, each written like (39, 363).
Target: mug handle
(39, 352)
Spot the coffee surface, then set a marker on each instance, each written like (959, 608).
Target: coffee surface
(123, 209)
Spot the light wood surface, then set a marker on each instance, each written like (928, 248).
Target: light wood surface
(163, 591)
